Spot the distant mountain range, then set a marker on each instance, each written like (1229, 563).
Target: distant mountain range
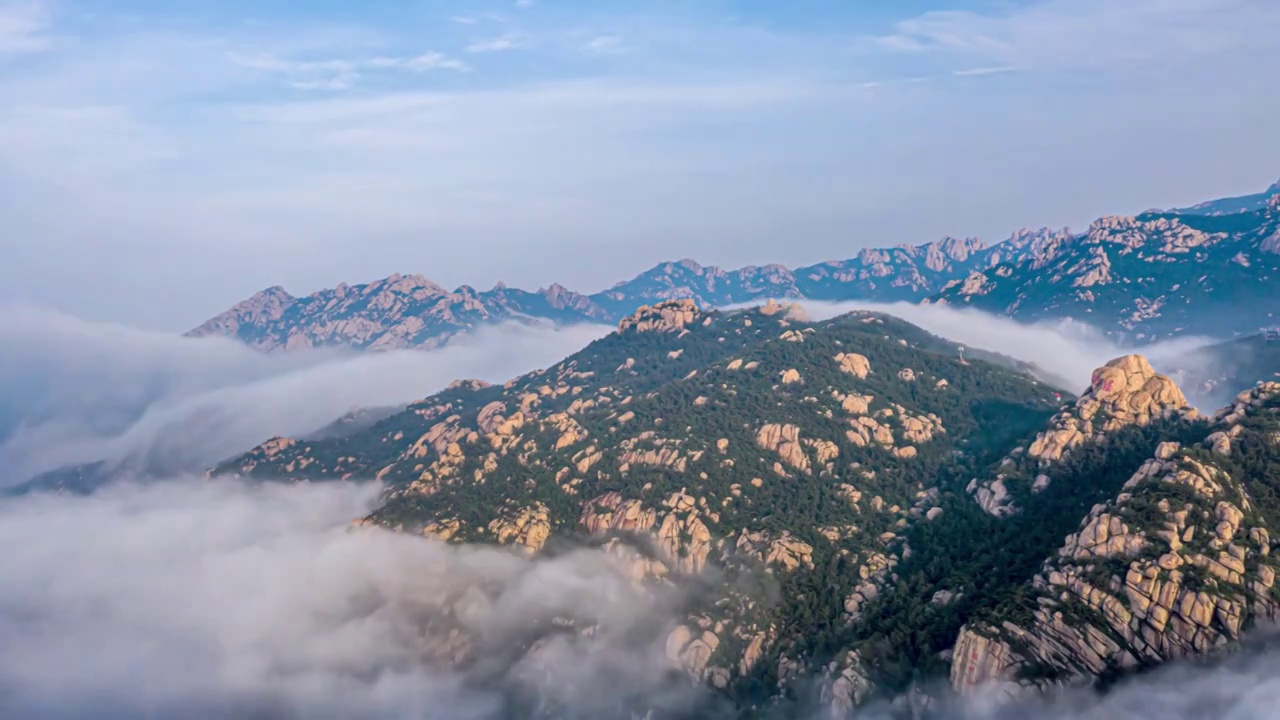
(1208, 269)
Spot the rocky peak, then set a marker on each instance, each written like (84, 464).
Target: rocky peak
(556, 293)
(1129, 383)
(667, 316)
(1031, 237)
(563, 299)
(1036, 247)
(1126, 391)
(413, 285)
(1178, 564)
(269, 302)
(1271, 243)
(1171, 235)
(774, 270)
(1246, 401)
(1094, 269)
(263, 307)
(975, 283)
(949, 248)
(875, 256)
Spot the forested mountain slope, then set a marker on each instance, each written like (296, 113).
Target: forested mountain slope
(749, 449)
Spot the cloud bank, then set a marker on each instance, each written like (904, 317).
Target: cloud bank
(212, 600)
(224, 600)
(219, 599)
(73, 391)
(1064, 351)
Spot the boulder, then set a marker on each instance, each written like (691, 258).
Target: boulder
(854, 364)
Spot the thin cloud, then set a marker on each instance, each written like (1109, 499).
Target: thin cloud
(604, 44)
(498, 44)
(1046, 35)
(340, 74)
(425, 61)
(996, 70)
(24, 27)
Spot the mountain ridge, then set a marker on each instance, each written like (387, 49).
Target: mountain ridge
(1237, 238)
(1146, 277)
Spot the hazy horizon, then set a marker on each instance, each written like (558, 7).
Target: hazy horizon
(221, 148)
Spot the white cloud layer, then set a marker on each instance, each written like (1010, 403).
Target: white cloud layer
(216, 600)
(213, 600)
(73, 391)
(1063, 350)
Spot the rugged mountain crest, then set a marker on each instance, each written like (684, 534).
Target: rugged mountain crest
(1125, 392)
(1203, 270)
(244, 318)
(396, 312)
(1151, 276)
(1179, 563)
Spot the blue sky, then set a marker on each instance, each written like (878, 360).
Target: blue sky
(159, 161)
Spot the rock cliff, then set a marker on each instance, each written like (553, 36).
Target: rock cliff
(1125, 392)
(1179, 563)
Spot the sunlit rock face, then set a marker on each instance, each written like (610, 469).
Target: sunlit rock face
(1125, 392)
(1178, 564)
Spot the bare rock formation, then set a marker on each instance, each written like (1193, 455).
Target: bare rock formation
(527, 528)
(668, 316)
(1178, 564)
(784, 440)
(1126, 391)
(783, 551)
(854, 364)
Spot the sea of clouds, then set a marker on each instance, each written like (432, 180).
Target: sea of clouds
(184, 598)
(196, 599)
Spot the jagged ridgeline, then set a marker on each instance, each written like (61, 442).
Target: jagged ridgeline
(848, 507)
(1156, 275)
(1177, 563)
(1206, 270)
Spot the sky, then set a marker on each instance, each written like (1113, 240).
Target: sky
(161, 161)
